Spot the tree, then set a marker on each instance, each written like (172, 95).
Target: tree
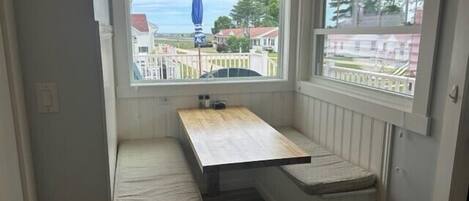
(343, 9)
(273, 9)
(371, 7)
(223, 22)
(238, 44)
(233, 44)
(254, 13)
(247, 13)
(391, 7)
(269, 21)
(271, 14)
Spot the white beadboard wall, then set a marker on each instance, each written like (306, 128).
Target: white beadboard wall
(152, 117)
(350, 134)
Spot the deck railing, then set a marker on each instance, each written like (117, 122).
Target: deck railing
(394, 83)
(191, 66)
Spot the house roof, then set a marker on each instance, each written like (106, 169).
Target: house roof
(139, 22)
(254, 32)
(272, 34)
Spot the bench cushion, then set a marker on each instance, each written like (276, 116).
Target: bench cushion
(154, 170)
(327, 173)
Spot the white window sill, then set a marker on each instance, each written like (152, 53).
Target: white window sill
(167, 89)
(382, 97)
(392, 108)
(204, 82)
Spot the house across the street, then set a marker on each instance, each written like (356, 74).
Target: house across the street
(264, 38)
(143, 34)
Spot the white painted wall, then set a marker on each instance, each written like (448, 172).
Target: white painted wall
(452, 171)
(59, 43)
(416, 155)
(143, 39)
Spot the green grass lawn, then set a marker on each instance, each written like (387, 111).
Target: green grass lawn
(183, 43)
(206, 50)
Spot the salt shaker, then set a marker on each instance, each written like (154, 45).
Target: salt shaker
(207, 101)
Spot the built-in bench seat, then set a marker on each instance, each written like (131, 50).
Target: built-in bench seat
(154, 170)
(327, 173)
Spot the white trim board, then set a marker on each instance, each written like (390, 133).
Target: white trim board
(410, 121)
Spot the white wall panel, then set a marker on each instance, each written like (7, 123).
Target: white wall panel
(350, 134)
(152, 117)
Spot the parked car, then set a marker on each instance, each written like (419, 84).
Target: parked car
(231, 72)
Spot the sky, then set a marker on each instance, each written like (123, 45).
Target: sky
(174, 16)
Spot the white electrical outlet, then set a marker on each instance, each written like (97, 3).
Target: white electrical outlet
(47, 97)
(163, 100)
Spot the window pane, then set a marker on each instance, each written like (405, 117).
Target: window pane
(387, 62)
(240, 40)
(372, 13)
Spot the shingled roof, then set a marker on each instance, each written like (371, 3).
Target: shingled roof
(254, 32)
(139, 22)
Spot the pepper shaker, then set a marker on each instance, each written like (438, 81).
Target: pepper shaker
(201, 101)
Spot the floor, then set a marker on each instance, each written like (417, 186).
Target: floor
(249, 194)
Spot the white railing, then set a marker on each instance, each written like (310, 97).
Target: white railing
(193, 66)
(399, 84)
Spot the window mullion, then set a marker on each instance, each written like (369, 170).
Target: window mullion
(416, 29)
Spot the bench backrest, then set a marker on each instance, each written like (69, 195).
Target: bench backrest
(350, 134)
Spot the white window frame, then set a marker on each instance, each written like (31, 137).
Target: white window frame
(123, 62)
(407, 112)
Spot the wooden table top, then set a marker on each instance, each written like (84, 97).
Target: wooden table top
(236, 138)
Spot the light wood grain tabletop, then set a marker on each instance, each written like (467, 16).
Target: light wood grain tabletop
(236, 138)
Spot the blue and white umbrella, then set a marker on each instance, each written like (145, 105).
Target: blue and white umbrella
(197, 18)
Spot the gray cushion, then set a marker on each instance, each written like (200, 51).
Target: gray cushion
(154, 170)
(327, 172)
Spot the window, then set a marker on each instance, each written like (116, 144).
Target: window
(233, 46)
(364, 26)
(143, 49)
(402, 49)
(373, 46)
(357, 45)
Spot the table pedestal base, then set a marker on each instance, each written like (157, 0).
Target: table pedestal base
(213, 183)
